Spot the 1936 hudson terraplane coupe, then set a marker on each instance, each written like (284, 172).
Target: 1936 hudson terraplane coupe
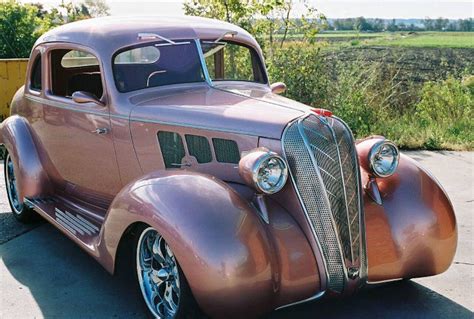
(162, 138)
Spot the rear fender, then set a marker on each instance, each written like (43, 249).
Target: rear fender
(216, 236)
(32, 179)
(412, 233)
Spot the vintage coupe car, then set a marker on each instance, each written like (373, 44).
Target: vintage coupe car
(158, 144)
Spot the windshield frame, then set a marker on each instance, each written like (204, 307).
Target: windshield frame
(197, 43)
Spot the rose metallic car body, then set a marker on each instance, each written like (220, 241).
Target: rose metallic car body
(162, 138)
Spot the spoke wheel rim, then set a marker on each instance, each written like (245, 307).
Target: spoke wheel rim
(12, 190)
(158, 274)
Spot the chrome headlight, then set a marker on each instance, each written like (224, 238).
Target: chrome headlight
(264, 170)
(383, 158)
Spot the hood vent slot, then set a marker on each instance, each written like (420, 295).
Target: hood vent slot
(198, 146)
(226, 151)
(172, 148)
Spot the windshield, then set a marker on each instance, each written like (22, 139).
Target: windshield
(230, 61)
(157, 64)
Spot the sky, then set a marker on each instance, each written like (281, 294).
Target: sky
(452, 9)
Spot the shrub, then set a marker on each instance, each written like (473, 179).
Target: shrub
(366, 94)
(303, 72)
(445, 115)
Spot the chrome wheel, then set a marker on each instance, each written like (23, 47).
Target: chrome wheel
(12, 192)
(158, 274)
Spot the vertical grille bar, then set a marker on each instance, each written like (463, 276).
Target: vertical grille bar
(323, 164)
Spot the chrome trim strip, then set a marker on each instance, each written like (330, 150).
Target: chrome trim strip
(136, 119)
(85, 221)
(71, 220)
(62, 105)
(61, 218)
(65, 226)
(203, 62)
(383, 281)
(88, 229)
(317, 296)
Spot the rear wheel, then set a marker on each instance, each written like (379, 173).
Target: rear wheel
(21, 212)
(162, 283)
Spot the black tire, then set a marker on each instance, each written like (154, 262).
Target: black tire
(22, 212)
(127, 269)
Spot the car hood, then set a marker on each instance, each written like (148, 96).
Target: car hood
(251, 111)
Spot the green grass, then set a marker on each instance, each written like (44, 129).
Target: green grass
(395, 39)
(426, 40)
(338, 34)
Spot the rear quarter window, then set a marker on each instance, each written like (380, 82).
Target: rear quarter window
(35, 80)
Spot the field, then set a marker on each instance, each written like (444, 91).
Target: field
(397, 39)
(427, 40)
(416, 88)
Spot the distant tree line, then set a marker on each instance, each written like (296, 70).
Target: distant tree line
(378, 25)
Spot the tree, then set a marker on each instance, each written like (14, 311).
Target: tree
(392, 26)
(440, 24)
(263, 19)
(378, 25)
(96, 8)
(361, 24)
(19, 29)
(429, 24)
(22, 24)
(466, 24)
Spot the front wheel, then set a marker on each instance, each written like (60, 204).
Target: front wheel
(21, 212)
(162, 283)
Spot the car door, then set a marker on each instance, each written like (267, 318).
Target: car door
(76, 136)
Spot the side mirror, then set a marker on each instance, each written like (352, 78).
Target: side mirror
(278, 87)
(85, 97)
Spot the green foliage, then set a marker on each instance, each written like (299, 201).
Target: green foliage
(21, 24)
(303, 71)
(19, 29)
(444, 116)
(368, 96)
(270, 21)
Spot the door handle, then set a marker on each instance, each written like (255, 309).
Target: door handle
(100, 130)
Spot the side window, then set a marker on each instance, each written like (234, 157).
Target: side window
(75, 59)
(74, 70)
(35, 80)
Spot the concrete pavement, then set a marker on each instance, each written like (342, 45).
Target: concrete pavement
(45, 275)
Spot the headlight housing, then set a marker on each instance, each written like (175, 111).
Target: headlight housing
(383, 158)
(266, 171)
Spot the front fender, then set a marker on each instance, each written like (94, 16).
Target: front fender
(32, 179)
(216, 236)
(413, 232)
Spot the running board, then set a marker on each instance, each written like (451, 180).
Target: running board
(74, 221)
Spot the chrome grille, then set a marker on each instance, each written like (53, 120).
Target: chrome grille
(323, 164)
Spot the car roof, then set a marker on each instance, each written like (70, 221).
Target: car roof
(108, 34)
